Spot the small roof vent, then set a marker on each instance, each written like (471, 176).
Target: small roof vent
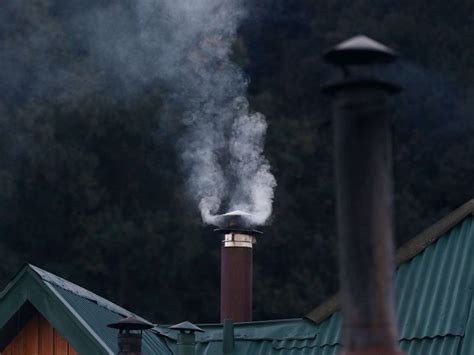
(187, 327)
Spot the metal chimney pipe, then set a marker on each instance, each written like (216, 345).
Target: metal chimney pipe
(236, 267)
(228, 338)
(130, 335)
(363, 159)
(186, 337)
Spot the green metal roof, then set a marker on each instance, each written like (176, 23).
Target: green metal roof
(434, 288)
(435, 307)
(78, 314)
(285, 336)
(434, 293)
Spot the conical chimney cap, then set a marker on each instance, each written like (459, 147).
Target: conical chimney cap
(187, 326)
(360, 50)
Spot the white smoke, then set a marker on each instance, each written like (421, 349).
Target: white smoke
(222, 148)
(255, 183)
(186, 46)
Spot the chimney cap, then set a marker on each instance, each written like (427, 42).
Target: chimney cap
(187, 327)
(235, 220)
(360, 50)
(237, 213)
(131, 323)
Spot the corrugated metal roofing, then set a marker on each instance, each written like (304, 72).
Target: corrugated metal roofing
(97, 312)
(290, 336)
(434, 293)
(468, 341)
(446, 345)
(266, 347)
(434, 289)
(98, 317)
(329, 331)
(435, 308)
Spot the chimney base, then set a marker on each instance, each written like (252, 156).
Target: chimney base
(130, 344)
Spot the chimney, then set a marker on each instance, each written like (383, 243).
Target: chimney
(130, 335)
(363, 156)
(186, 337)
(236, 265)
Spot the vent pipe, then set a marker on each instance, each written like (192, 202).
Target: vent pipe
(186, 337)
(228, 338)
(236, 266)
(130, 335)
(363, 156)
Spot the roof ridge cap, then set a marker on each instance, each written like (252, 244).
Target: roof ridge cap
(421, 241)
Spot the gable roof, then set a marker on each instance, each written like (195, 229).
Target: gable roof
(78, 314)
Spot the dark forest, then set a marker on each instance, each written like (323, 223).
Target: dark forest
(91, 187)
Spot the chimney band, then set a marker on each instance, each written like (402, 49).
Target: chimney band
(237, 240)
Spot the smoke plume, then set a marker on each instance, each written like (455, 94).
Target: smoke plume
(187, 45)
(222, 149)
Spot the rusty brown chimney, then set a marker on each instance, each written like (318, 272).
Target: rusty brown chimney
(130, 335)
(236, 266)
(363, 155)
